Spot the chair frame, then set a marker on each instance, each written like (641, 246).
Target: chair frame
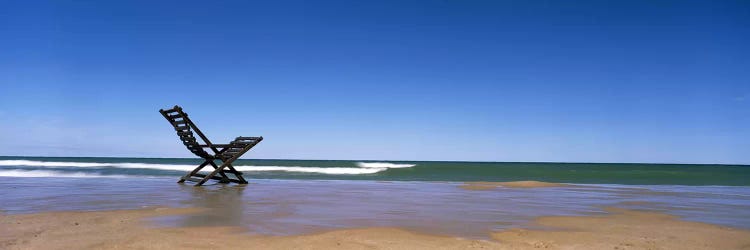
(226, 153)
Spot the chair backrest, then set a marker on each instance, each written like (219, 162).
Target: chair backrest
(184, 127)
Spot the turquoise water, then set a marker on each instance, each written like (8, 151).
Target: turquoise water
(585, 173)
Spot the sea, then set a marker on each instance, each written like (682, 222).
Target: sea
(582, 173)
(287, 197)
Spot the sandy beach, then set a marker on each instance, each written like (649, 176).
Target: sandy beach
(126, 229)
(112, 213)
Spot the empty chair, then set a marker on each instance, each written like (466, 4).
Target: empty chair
(225, 153)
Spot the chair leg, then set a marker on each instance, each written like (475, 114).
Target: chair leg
(194, 171)
(219, 169)
(209, 176)
(224, 177)
(227, 163)
(237, 173)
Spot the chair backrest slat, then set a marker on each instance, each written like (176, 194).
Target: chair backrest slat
(181, 123)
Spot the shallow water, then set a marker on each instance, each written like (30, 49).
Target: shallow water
(284, 207)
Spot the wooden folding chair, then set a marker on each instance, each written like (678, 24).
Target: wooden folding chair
(226, 153)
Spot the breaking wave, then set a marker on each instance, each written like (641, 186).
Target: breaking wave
(385, 165)
(363, 167)
(311, 169)
(52, 173)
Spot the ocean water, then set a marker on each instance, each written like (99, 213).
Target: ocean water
(286, 197)
(584, 173)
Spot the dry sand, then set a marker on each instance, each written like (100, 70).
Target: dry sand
(483, 185)
(622, 229)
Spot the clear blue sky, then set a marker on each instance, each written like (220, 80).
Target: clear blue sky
(582, 81)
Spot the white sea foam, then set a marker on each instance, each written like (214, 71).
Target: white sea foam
(52, 173)
(51, 163)
(312, 169)
(364, 167)
(55, 164)
(383, 165)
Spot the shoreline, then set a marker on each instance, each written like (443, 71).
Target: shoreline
(618, 229)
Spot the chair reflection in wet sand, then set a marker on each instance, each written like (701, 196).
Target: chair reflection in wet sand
(226, 153)
(223, 204)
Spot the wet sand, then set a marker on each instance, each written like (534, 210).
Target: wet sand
(130, 229)
(299, 207)
(311, 214)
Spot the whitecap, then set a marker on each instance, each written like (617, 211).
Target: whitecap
(384, 165)
(52, 173)
(177, 167)
(312, 169)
